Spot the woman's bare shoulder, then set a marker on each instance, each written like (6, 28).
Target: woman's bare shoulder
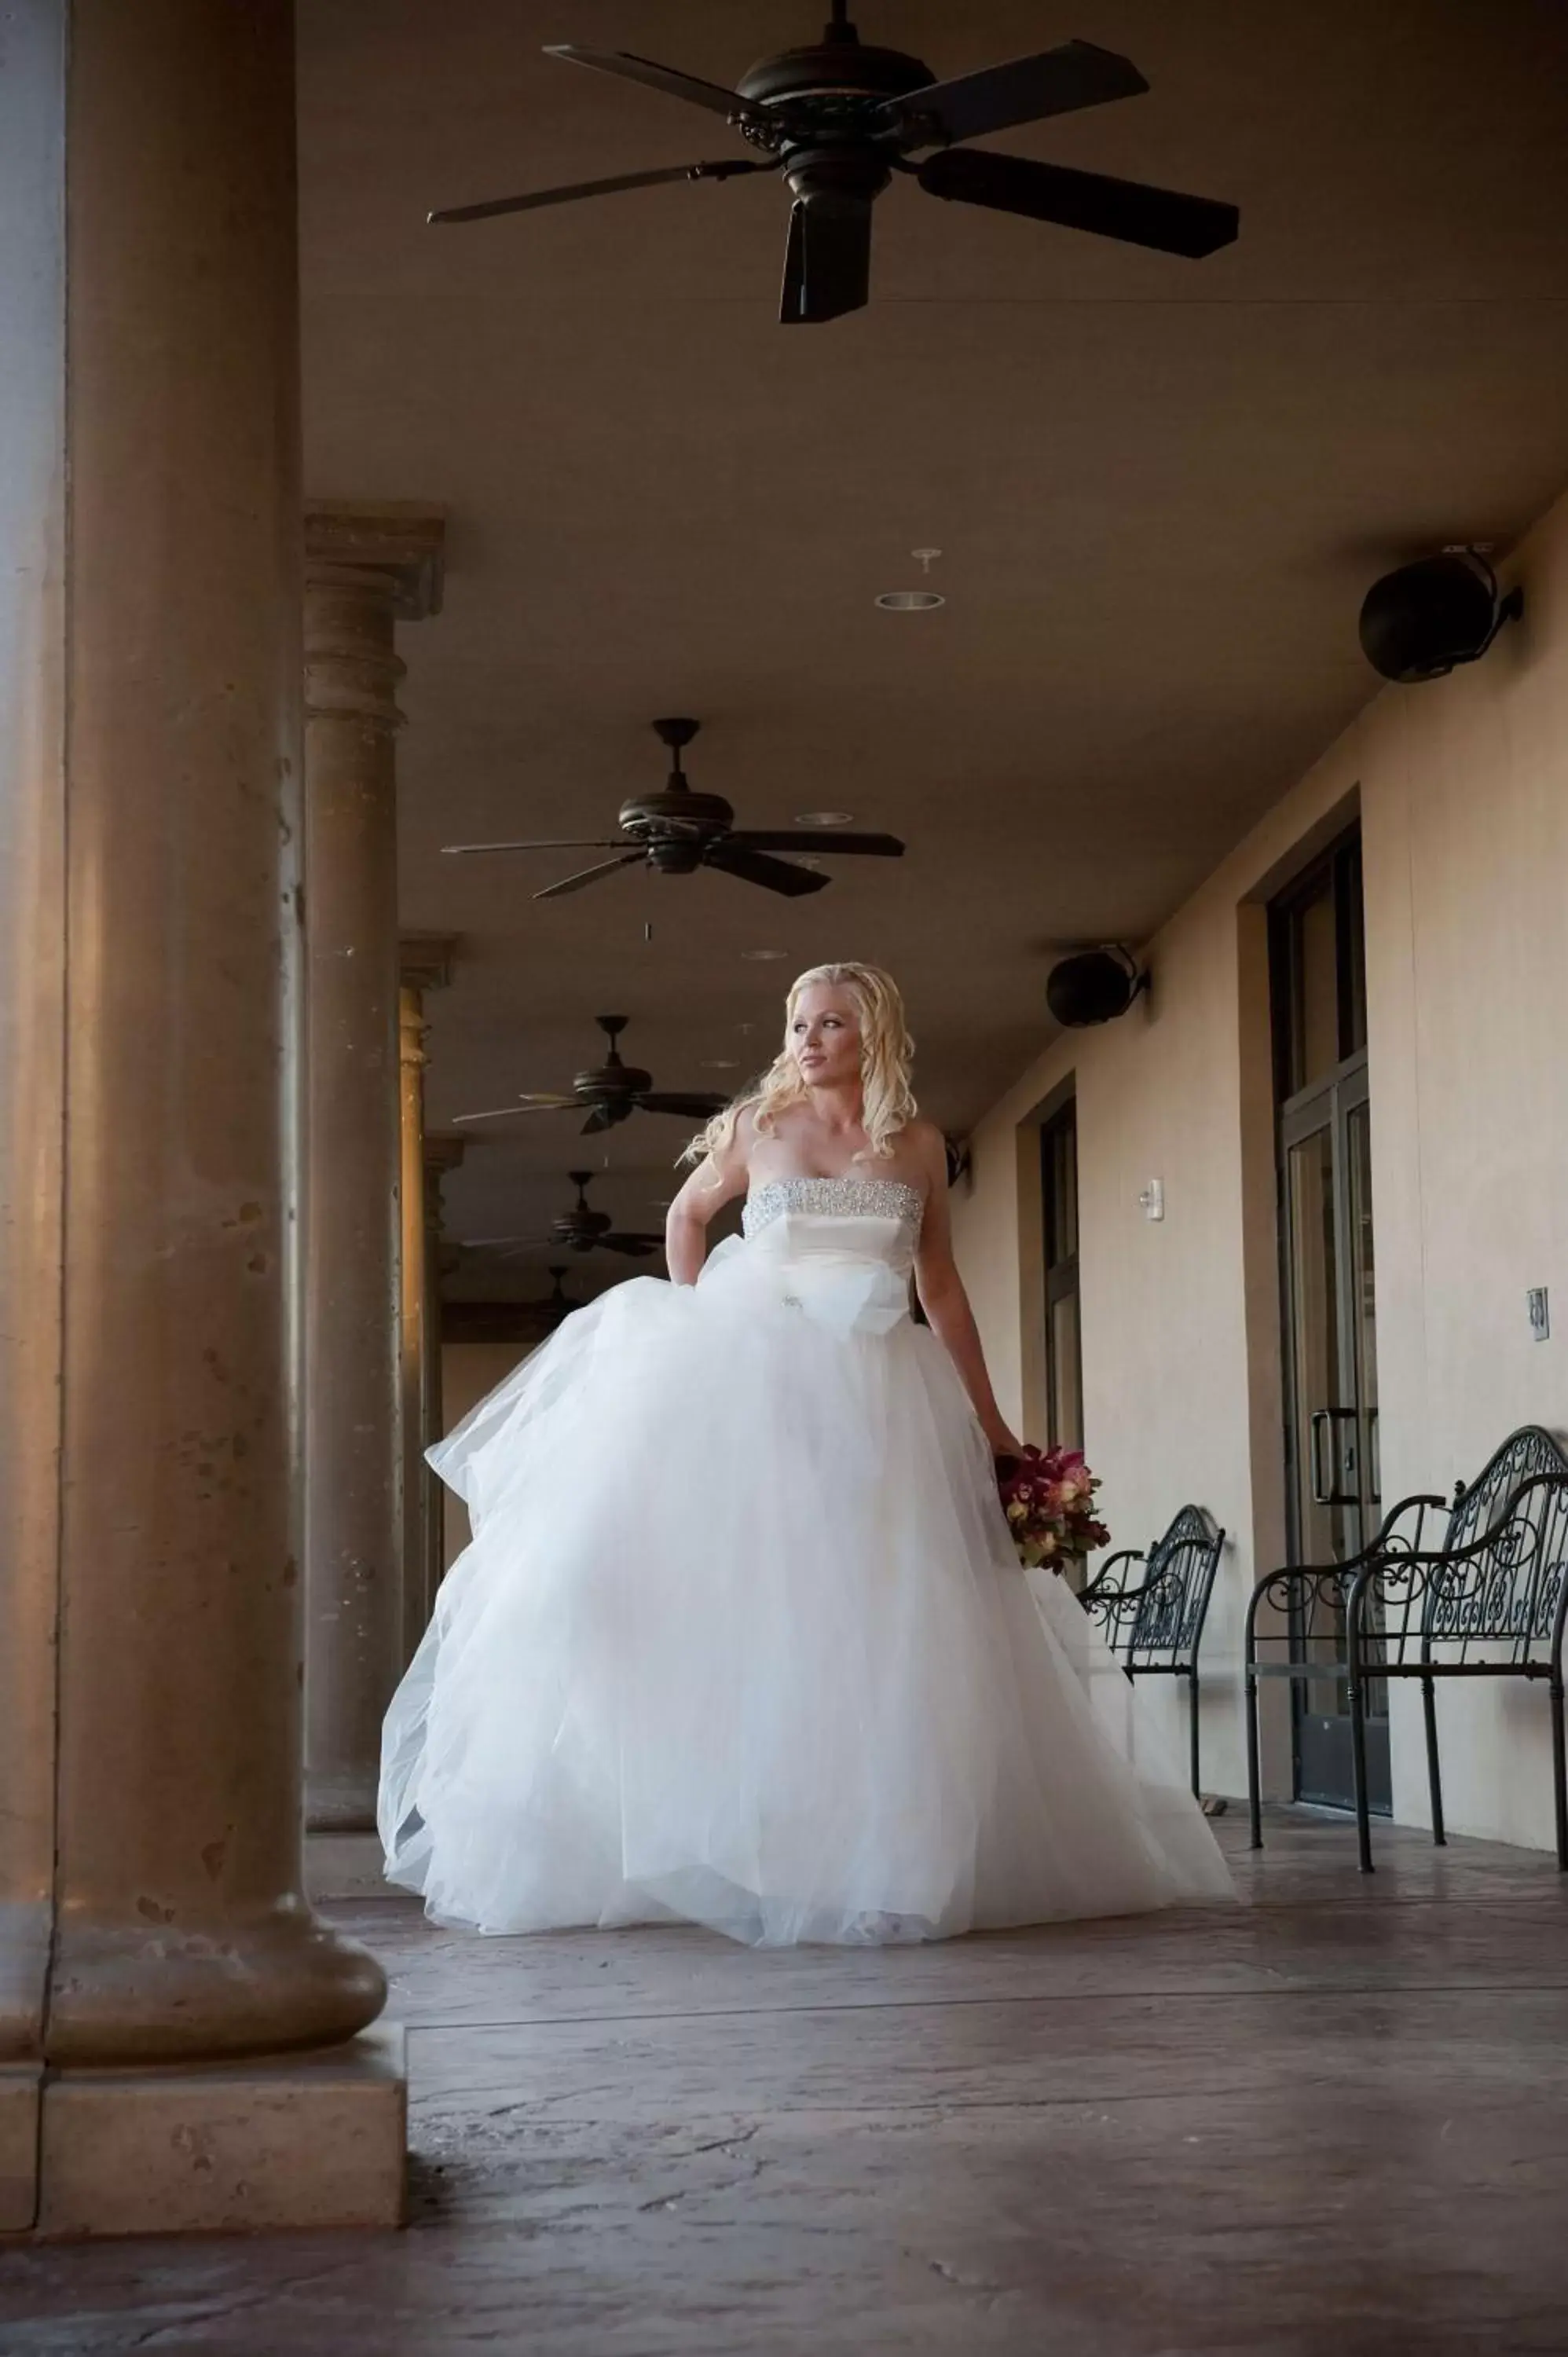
(924, 1144)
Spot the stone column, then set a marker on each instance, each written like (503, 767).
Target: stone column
(366, 568)
(441, 1155)
(426, 964)
(33, 531)
(148, 1421)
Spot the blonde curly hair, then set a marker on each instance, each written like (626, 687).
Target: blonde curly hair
(886, 1055)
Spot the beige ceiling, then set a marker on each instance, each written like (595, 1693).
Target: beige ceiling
(1159, 489)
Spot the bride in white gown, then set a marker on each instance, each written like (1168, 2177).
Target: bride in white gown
(742, 1639)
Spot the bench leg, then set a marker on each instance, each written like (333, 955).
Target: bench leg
(1433, 1770)
(1192, 1732)
(1560, 1771)
(1358, 1765)
(1254, 1777)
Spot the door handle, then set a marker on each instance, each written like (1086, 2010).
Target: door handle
(1321, 1425)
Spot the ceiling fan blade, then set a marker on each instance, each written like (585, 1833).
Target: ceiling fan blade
(1128, 210)
(503, 1113)
(635, 1247)
(654, 75)
(538, 197)
(606, 1117)
(756, 867)
(692, 1104)
(546, 1100)
(589, 876)
(807, 838)
(827, 265)
(794, 266)
(1024, 90)
(600, 842)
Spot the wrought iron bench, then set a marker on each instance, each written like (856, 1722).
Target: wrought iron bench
(1310, 1606)
(1491, 1606)
(1155, 1624)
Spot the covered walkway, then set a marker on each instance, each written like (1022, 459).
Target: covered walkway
(1331, 2121)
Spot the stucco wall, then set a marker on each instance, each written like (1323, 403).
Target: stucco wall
(1463, 792)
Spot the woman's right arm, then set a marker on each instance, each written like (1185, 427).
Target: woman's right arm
(716, 1180)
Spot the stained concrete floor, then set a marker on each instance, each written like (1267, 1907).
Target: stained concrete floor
(1333, 2120)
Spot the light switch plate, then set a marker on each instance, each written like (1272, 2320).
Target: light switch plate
(1539, 1316)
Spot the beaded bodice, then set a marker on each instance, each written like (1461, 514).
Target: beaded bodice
(843, 1199)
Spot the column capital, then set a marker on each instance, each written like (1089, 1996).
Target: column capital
(424, 960)
(396, 545)
(412, 1029)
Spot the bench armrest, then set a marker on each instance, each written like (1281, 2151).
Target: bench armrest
(1101, 1588)
(1306, 1580)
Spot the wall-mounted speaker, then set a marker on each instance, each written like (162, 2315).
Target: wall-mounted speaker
(1094, 986)
(1419, 623)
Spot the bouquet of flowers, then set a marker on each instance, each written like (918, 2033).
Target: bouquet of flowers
(1047, 1496)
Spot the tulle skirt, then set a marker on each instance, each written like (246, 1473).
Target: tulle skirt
(741, 1640)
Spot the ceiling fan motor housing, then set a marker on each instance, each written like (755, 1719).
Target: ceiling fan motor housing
(580, 1229)
(834, 148)
(677, 813)
(613, 1080)
(848, 74)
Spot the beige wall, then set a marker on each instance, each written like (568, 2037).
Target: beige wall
(1463, 793)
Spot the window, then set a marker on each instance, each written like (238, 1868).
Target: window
(1064, 1352)
(1320, 972)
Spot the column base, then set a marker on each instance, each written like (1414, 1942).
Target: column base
(342, 1803)
(20, 2088)
(302, 2140)
(346, 1867)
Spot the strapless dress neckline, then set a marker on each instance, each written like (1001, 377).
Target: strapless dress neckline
(844, 1198)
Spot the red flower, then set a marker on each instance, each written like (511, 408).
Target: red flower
(1046, 1497)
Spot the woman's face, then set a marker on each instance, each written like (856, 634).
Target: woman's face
(824, 1036)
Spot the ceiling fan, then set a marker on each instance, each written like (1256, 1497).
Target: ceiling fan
(838, 120)
(611, 1092)
(580, 1230)
(677, 831)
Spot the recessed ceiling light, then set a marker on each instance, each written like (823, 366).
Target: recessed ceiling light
(720, 1063)
(909, 601)
(824, 818)
(764, 957)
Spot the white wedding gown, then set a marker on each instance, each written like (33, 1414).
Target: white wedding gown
(742, 1639)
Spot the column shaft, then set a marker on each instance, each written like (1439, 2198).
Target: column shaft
(364, 568)
(32, 973)
(441, 1155)
(411, 1313)
(181, 1931)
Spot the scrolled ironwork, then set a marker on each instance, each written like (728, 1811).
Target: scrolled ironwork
(1155, 1623)
(1489, 1603)
(1493, 1604)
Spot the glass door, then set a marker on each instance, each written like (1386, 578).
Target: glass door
(1064, 1344)
(1326, 1245)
